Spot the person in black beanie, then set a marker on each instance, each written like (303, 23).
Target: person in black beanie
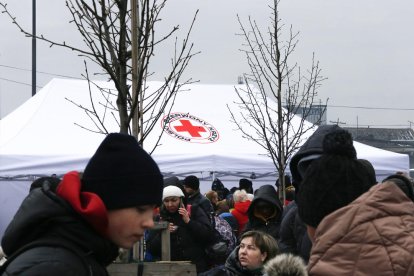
(293, 235)
(78, 227)
(194, 197)
(246, 184)
(358, 227)
(333, 180)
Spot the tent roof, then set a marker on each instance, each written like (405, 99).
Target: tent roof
(48, 134)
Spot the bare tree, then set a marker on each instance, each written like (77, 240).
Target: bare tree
(120, 38)
(274, 93)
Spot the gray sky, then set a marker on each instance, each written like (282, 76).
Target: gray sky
(364, 49)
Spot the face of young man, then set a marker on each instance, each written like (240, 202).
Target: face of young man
(250, 255)
(188, 190)
(127, 226)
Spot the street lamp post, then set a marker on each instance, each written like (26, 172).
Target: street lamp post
(34, 48)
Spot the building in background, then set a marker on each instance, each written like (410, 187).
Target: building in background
(400, 140)
(316, 112)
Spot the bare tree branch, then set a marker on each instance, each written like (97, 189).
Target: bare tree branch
(105, 26)
(275, 91)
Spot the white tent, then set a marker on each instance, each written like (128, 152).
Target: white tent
(44, 136)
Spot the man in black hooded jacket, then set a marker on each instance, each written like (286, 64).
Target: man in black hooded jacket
(265, 211)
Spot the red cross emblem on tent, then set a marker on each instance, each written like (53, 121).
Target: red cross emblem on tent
(189, 128)
(194, 131)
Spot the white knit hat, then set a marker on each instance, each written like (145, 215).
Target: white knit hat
(172, 191)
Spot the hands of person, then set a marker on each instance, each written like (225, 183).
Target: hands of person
(172, 228)
(183, 212)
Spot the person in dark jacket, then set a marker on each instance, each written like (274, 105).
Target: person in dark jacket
(293, 235)
(265, 211)
(248, 259)
(333, 180)
(246, 184)
(194, 197)
(189, 233)
(218, 186)
(78, 227)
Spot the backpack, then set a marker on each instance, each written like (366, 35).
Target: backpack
(224, 240)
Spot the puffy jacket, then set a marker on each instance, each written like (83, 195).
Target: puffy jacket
(199, 199)
(44, 215)
(271, 226)
(373, 235)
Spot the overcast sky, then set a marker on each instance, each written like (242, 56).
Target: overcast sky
(365, 49)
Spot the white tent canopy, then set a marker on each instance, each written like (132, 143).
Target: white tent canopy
(44, 136)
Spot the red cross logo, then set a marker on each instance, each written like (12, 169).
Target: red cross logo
(191, 129)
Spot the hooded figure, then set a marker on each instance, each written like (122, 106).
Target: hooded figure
(265, 211)
(333, 180)
(293, 236)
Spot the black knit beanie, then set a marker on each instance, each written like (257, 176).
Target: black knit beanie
(370, 170)
(122, 174)
(246, 184)
(333, 180)
(308, 152)
(192, 182)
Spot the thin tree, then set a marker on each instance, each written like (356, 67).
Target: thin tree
(112, 33)
(274, 92)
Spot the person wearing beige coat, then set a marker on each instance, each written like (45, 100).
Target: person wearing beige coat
(373, 235)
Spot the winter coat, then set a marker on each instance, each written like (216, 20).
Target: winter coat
(199, 199)
(232, 267)
(373, 235)
(240, 213)
(44, 215)
(188, 242)
(271, 226)
(293, 234)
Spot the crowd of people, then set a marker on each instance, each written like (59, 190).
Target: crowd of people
(336, 218)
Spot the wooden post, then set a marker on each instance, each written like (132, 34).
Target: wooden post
(165, 239)
(164, 267)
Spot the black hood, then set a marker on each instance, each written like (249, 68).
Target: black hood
(310, 150)
(267, 193)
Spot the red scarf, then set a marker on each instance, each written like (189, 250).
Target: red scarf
(89, 205)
